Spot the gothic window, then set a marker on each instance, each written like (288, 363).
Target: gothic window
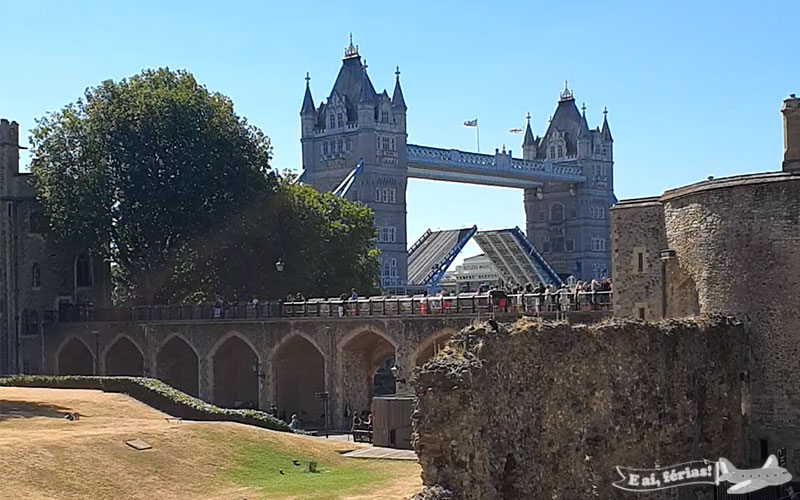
(557, 212)
(385, 143)
(341, 145)
(31, 319)
(385, 197)
(332, 121)
(598, 244)
(386, 268)
(35, 223)
(378, 194)
(340, 120)
(394, 268)
(349, 144)
(83, 271)
(569, 245)
(560, 151)
(573, 212)
(552, 152)
(541, 215)
(36, 276)
(325, 148)
(384, 116)
(393, 145)
(391, 195)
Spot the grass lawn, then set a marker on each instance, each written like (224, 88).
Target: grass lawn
(46, 457)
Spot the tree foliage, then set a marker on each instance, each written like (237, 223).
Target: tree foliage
(162, 177)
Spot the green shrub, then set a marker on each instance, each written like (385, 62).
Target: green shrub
(152, 392)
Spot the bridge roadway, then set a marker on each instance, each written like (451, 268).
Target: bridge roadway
(499, 169)
(247, 359)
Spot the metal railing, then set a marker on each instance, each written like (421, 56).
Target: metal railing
(381, 306)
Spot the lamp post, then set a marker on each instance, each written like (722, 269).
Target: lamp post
(280, 266)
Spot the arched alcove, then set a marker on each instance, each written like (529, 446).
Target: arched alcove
(177, 365)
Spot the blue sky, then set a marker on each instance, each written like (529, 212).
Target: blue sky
(692, 88)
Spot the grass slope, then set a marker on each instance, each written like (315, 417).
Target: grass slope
(44, 456)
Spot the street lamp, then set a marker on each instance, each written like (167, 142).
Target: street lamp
(395, 373)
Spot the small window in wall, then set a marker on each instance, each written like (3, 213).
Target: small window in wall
(639, 262)
(83, 270)
(560, 151)
(35, 223)
(325, 148)
(332, 121)
(557, 212)
(541, 215)
(31, 322)
(340, 120)
(569, 245)
(552, 152)
(641, 313)
(764, 448)
(573, 212)
(384, 117)
(36, 277)
(349, 144)
(378, 194)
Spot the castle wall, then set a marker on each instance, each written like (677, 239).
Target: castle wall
(547, 411)
(737, 240)
(637, 238)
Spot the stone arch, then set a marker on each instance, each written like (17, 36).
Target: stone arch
(178, 364)
(298, 366)
(430, 346)
(123, 357)
(366, 357)
(235, 368)
(75, 358)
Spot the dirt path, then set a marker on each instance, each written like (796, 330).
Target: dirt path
(43, 455)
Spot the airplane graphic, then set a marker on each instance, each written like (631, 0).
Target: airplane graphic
(748, 480)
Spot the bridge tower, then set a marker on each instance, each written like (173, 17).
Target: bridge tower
(357, 123)
(567, 222)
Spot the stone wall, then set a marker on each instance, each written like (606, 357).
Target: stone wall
(637, 237)
(546, 411)
(738, 241)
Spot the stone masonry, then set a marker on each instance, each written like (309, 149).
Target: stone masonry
(547, 411)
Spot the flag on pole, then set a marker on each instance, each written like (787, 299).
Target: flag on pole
(471, 123)
(515, 131)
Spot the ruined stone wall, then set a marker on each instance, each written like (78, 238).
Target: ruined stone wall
(637, 237)
(738, 241)
(546, 411)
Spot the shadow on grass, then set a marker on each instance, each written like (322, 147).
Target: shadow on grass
(10, 410)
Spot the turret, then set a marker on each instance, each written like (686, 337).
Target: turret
(605, 134)
(9, 153)
(791, 133)
(366, 100)
(398, 103)
(584, 142)
(308, 113)
(528, 143)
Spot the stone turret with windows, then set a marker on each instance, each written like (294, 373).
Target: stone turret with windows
(39, 276)
(356, 123)
(569, 222)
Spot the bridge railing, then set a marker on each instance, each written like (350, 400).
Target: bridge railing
(461, 304)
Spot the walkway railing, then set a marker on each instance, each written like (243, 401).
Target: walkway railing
(462, 304)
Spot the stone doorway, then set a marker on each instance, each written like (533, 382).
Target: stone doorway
(177, 365)
(124, 358)
(75, 358)
(236, 370)
(299, 375)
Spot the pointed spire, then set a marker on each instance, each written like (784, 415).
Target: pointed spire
(397, 95)
(528, 140)
(606, 130)
(584, 129)
(367, 94)
(308, 101)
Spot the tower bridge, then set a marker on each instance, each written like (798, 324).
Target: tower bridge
(355, 143)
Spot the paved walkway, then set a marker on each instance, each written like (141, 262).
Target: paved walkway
(370, 451)
(382, 453)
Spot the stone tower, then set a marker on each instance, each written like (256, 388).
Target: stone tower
(358, 124)
(791, 133)
(569, 223)
(39, 276)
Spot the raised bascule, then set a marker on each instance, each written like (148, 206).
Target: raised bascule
(355, 144)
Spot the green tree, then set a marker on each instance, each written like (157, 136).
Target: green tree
(326, 243)
(148, 171)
